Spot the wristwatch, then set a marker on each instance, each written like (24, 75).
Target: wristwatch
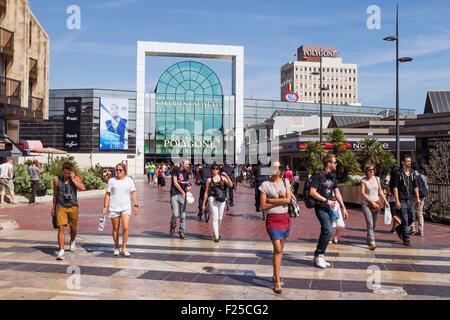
(136, 206)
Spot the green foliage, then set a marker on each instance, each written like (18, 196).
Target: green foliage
(55, 166)
(372, 152)
(22, 182)
(315, 153)
(91, 180)
(338, 140)
(46, 183)
(347, 165)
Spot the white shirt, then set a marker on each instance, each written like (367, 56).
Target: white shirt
(4, 170)
(120, 194)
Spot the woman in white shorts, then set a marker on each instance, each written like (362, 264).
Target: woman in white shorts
(117, 203)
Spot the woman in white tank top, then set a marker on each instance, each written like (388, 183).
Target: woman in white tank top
(371, 192)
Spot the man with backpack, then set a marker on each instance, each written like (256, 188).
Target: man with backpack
(406, 193)
(423, 191)
(323, 186)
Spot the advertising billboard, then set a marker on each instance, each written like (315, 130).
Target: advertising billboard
(113, 123)
(72, 124)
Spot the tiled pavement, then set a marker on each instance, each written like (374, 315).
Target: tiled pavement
(239, 267)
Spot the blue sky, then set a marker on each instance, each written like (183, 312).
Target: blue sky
(103, 53)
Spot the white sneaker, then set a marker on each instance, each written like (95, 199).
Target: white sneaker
(60, 255)
(125, 253)
(73, 247)
(327, 263)
(320, 262)
(117, 252)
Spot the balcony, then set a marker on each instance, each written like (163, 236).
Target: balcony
(6, 42)
(10, 91)
(33, 74)
(36, 104)
(2, 9)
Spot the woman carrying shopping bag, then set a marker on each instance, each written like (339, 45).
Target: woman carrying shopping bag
(374, 200)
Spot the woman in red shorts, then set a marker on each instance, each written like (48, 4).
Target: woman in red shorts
(275, 198)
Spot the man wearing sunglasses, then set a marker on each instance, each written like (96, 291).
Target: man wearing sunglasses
(181, 184)
(323, 185)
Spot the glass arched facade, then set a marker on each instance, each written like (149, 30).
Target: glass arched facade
(189, 99)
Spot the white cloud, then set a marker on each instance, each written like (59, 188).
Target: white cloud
(115, 4)
(420, 46)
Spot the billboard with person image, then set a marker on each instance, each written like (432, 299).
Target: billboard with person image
(114, 124)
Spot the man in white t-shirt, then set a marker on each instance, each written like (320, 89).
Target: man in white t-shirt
(6, 180)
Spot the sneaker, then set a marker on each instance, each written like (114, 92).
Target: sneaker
(422, 234)
(407, 243)
(125, 253)
(399, 233)
(117, 252)
(182, 236)
(73, 247)
(335, 241)
(372, 246)
(60, 255)
(320, 262)
(327, 263)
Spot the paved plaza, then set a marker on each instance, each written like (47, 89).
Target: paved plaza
(239, 267)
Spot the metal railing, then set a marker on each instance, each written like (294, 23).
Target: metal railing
(438, 198)
(10, 91)
(35, 104)
(6, 41)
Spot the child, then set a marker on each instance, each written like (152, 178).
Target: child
(337, 223)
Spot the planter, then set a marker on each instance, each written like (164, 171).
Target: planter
(351, 194)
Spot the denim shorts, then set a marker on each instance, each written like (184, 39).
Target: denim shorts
(114, 214)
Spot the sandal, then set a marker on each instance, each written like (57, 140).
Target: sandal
(277, 288)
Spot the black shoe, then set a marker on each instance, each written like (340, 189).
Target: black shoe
(407, 243)
(258, 210)
(182, 236)
(399, 233)
(216, 240)
(199, 215)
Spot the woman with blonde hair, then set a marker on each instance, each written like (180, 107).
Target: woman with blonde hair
(374, 200)
(275, 198)
(117, 203)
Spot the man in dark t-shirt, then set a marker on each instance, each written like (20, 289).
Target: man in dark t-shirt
(323, 185)
(181, 184)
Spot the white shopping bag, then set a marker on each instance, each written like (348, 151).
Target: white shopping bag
(387, 216)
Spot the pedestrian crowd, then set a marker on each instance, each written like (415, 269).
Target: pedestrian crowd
(401, 200)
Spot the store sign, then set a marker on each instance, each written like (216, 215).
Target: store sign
(72, 124)
(189, 144)
(320, 53)
(291, 97)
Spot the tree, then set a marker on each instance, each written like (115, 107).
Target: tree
(372, 152)
(337, 139)
(348, 165)
(315, 153)
(438, 166)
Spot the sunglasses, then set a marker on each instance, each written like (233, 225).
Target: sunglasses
(119, 170)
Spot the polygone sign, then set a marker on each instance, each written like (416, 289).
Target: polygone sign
(313, 54)
(320, 53)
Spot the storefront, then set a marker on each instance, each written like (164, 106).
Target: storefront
(189, 116)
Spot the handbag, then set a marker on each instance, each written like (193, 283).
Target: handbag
(376, 206)
(55, 221)
(293, 208)
(220, 194)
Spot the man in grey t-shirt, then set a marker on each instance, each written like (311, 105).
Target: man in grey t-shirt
(34, 170)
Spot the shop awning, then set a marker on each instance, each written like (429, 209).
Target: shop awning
(36, 147)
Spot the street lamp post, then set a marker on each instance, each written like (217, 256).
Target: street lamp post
(321, 101)
(396, 38)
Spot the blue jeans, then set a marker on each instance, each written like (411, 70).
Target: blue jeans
(407, 215)
(324, 216)
(178, 207)
(231, 193)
